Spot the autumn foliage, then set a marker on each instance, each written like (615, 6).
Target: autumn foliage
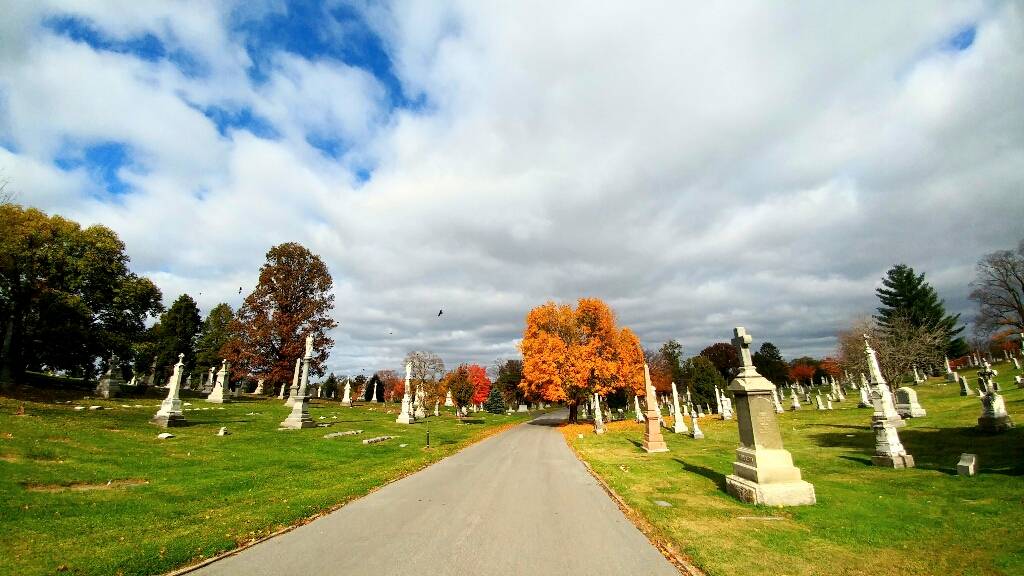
(800, 372)
(292, 299)
(481, 383)
(569, 353)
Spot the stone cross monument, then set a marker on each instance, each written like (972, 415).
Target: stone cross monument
(406, 416)
(653, 440)
(763, 472)
(889, 450)
(299, 418)
(170, 413)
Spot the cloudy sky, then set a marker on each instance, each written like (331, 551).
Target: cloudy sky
(697, 165)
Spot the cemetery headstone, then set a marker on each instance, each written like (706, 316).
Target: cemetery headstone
(346, 399)
(294, 390)
(598, 419)
(653, 440)
(170, 413)
(678, 424)
(110, 384)
(406, 416)
(299, 417)
(994, 417)
(221, 382)
(763, 472)
(968, 465)
(907, 405)
(885, 420)
(697, 434)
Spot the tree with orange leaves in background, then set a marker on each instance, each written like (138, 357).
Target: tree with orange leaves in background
(800, 371)
(569, 354)
(481, 383)
(831, 367)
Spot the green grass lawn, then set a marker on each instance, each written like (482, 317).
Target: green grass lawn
(173, 502)
(868, 520)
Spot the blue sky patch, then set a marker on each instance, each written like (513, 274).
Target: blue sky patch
(102, 161)
(241, 118)
(316, 32)
(963, 39)
(145, 47)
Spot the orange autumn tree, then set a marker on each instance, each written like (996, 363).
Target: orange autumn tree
(570, 354)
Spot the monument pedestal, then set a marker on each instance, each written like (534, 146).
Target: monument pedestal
(653, 440)
(893, 460)
(299, 418)
(406, 416)
(168, 420)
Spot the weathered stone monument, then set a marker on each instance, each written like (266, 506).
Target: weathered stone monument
(170, 413)
(907, 405)
(865, 400)
(653, 440)
(111, 382)
(889, 450)
(299, 417)
(346, 399)
(598, 418)
(1016, 363)
(993, 409)
(406, 417)
(1018, 381)
(968, 465)
(295, 383)
(697, 433)
(223, 379)
(763, 472)
(448, 402)
(678, 424)
(794, 403)
(776, 403)
(259, 387)
(950, 375)
(636, 409)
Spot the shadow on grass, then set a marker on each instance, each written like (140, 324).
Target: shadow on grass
(549, 422)
(717, 477)
(939, 449)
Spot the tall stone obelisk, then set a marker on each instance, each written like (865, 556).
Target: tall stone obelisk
(170, 413)
(763, 472)
(406, 416)
(598, 418)
(294, 391)
(653, 440)
(221, 382)
(299, 418)
(678, 424)
(889, 450)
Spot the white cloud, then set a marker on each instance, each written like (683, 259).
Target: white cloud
(698, 166)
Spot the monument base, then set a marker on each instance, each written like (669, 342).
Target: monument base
(995, 423)
(405, 419)
(522, 408)
(911, 411)
(298, 423)
(893, 461)
(798, 493)
(655, 446)
(168, 421)
(346, 403)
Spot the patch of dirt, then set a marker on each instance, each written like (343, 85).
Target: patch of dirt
(8, 458)
(84, 487)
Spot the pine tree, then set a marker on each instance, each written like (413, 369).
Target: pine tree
(770, 364)
(179, 326)
(495, 404)
(904, 293)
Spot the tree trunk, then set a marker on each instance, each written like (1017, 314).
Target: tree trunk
(6, 371)
(573, 410)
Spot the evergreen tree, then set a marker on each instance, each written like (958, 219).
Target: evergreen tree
(510, 374)
(672, 355)
(213, 335)
(495, 404)
(702, 377)
(179, 327)
(770, 364)
(904, 293)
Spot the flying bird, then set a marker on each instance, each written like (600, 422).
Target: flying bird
(239, 289)
(439, 312)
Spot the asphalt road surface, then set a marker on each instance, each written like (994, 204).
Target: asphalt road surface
(516, 503)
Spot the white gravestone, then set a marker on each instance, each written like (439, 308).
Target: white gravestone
(406, 416)
(907, 405)
(295, 383)
(968, 465)
(170, 413)
(223, 379)
(994, 417)
(299, 417)
(889, 450)
(678, 424)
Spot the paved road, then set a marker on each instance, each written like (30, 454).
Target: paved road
(517, 503)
